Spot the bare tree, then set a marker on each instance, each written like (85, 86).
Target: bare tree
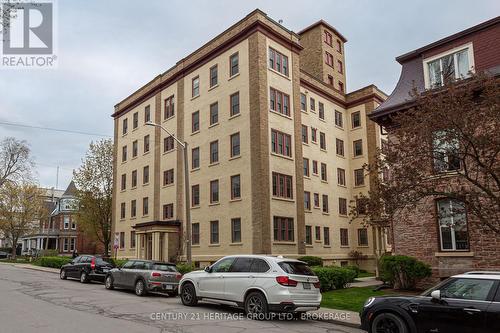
(15, 160)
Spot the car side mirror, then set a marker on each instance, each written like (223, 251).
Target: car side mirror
(208, 269)
(436, 295)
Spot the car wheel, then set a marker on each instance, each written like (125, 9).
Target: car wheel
(108, 283)
(389, 323)
(84, 277)
(256, 305)
(140, 288)
(62, 274)
(188, 295)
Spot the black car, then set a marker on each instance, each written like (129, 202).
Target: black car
(464, 303)
(86, 268)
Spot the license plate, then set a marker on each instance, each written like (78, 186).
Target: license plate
(168, 286)
(105, 270)
(306, 285)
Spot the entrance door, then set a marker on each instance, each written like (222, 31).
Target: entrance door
(149, 246)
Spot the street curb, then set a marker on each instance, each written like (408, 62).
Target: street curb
(339, 322)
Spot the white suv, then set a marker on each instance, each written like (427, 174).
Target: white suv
(259, 284)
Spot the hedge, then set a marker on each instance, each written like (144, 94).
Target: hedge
(54, 262)
(184, 268)
(312, 260)
(333, 277)
(403, 272)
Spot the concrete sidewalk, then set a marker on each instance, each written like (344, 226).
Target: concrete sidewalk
(365, 282)
(33, 267)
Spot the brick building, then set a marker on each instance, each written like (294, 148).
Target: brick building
(464, 244)
(276, 148)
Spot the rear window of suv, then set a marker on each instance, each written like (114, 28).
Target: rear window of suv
(294, 267)
(164, 268)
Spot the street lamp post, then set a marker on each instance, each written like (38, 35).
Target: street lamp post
(184, 146)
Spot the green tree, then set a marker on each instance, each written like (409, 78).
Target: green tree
(94, 182)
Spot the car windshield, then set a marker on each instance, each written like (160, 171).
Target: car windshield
(295, 267)
(164, 267)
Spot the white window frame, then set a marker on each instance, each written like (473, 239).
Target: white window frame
(66, 222)
(65, 244)
(452, 230)
(426, 61)
(72, 244)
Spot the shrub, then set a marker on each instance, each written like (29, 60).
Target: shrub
(115, 262)
(333, 277)
(48, 253)
(355, 269)
(184, 268)
(54, 262)
(403, 272)
(312, 261)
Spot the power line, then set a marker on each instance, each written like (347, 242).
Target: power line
(54, 129)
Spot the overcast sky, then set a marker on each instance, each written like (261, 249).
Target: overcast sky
(108, 49)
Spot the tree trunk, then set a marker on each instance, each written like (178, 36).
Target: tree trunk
(14, 248)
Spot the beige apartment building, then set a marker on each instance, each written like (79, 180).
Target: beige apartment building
(276, 148)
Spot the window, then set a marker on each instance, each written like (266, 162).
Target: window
(452, 222)
(145, 206)
(314, 134)
(122, 213)
(363, 237)
(357, 147)
(330, 80)
(356, 119)
(214, 79)
(321, 111)
(168, 177)
(124, 182)
(315, 167)
(195, 122)
(303, 103)
(214, 152)
(325, 203)
(214, 191)
(282, 186)
(361, 206)
(133, 208)
(235, 144)
(122, 240)
(146, 143)
(324, 176)
(278, 61)
(322, 140)
(339, 119)
(168, 211)
(168, 143)
(307, 200)
(214, 113)
(279, 102)
(468, 289)
(135, 148)
(449, 67)
(328, 58)
(304, 134)
(65, 244)
(281, 143)
(195, 158)
(135, 120)
(308, 235)
(340, 68)
(328, 37)
(169, 110)
(317, 232)
(340, 176)
(326, 237)
(339, 46)
(132, 239)
(124, 153)
(235, 187)
(235, 104)
(446, 151)
(316, 200)
(344, 237)
(195, 87)
(214, 232)
(341, 86)
(147, 114)
(195, 233)
(339, 147)
(236, 230)
(222, 265)
(306, 167)
(195, 195)
(312, 104)
(342, 206)
(145, 175)
(283, 229)
(125, 126)
(234, 65)
(134, 178)
(359, 177)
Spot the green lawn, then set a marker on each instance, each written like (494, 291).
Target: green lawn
(351, 299)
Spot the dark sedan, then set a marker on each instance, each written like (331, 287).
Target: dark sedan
(464, 303)
(86, 268)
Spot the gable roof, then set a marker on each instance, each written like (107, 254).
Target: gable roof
(70, 190)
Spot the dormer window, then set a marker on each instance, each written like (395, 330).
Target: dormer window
(453, 65)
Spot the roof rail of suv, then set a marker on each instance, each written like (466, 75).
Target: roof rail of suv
(483, 273)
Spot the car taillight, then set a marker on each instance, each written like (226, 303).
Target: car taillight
(317, 285)
(286, 281)
(92, 263)
(178, 276)
(155, 274)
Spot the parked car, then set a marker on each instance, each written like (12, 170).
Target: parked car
(464, 303)
(145, 276)
(4, 255)
(258, 284)
(86, 268)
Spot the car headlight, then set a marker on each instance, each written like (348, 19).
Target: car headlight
(369, 302)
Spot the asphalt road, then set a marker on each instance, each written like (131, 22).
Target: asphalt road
(35, 301)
